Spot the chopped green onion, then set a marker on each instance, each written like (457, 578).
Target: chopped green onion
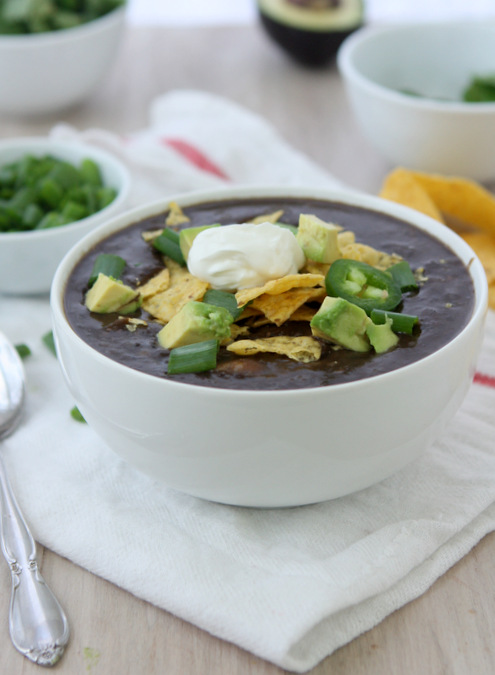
(23, 350)
(401, 323)
(403, 276)
(75, 413)
(195, 358)
(49, 341)
(223, 299)
(168, 244)
(108, 264)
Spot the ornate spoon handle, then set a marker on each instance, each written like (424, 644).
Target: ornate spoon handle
(38, 625)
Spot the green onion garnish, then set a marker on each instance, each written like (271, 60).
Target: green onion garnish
(49, 342)
(403, 276)
(23, 350)
(75, 413)
(168, 244)
(108, 264)
(225, 300)
(195, 358)
(401, 323)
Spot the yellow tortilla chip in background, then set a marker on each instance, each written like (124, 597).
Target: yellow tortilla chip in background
(460, 203)
(460, 198)
(183, 287)
(279, 308)
(160, 282)
(401, 186)
(303, 349)
(277, 286)
(484, 247)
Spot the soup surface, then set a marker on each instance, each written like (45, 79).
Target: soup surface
(444, 302)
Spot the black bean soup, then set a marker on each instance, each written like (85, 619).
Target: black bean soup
(444, 302)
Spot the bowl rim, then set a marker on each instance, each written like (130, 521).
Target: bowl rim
(352, 74)
(345, 196)
(48, 144)
(101, 23)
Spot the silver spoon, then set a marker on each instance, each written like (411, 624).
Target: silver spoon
(38, 625)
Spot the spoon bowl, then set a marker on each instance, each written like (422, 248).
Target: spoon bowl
(38, 625)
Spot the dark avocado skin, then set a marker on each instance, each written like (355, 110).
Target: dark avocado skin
(310, 48)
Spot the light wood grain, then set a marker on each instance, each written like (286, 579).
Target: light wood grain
(447, 631)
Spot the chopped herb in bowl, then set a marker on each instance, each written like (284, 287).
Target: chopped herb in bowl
(37, 193)
(19, 17)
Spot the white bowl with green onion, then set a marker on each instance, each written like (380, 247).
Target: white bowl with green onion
(45, 211)
(423, 94)
(260, 448)
(47, 70)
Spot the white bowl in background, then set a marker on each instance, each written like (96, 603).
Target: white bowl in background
(46, 72)
(435, 132)
(28, 260)
(269, 448)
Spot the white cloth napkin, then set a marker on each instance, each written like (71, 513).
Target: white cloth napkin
(289, 585)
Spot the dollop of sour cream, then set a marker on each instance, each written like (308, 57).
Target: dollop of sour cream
(233, 257)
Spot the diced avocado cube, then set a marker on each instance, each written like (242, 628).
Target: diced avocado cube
(111, 295)
(196, 322)
(188, 235)
(343, 323)
(318, 239)
(382, 336)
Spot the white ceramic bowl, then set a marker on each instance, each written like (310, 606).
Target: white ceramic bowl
(46, 72)
(436, 60)
(270, 448)
(28, 260)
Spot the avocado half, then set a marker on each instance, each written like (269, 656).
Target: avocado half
(310, 31)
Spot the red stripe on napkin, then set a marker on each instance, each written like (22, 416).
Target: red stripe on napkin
(487, 380)
(195, 156)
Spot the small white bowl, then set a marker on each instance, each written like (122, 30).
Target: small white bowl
(270, 448)
(28, 260)
(436, 60)
(46, 72)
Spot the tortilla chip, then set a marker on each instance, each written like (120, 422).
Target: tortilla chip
(183, 288)
(303, 349)
(369, 255)
(149, 235)
(160, 282)
(314, 267)
(304, 313)
(268, 218)
(279, 308)
(484, 247)
(402, 186)
(278, 286)
(460, 198)
(176, 215)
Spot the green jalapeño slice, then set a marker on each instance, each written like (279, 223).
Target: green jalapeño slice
(363, 285)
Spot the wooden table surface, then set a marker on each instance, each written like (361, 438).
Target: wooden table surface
(449, 630)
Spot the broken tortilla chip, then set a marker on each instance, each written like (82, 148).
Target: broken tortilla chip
(160, 282)
(183, 288)
(279, 308)
(278, 286)
(303, 349)
(268, 218)
(176, 215)
(304, 313)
